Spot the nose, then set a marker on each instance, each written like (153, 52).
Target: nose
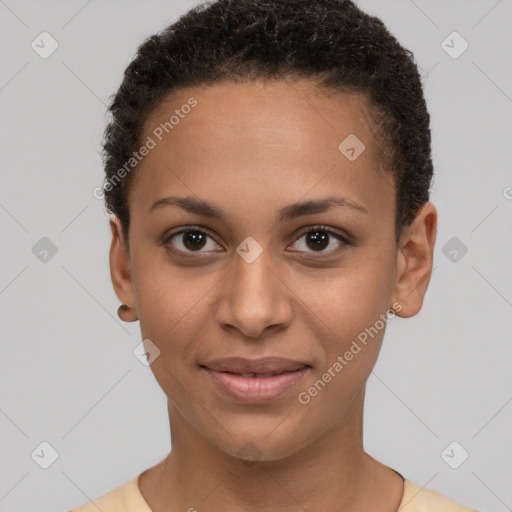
(254, 299)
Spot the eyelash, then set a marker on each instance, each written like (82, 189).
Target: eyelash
(313, 229)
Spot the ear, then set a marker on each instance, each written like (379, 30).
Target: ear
(120, 264)
(414, 261)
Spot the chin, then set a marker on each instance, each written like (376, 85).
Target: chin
(263, 445)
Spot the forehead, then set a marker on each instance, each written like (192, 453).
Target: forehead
(279, 138)
(296, 113)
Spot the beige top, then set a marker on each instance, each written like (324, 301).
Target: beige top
(127, 498)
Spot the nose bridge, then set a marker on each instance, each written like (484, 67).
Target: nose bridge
(253, 277)
(253, 297)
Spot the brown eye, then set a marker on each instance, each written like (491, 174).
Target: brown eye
(318, 238)
(194, 240)
(191, 240)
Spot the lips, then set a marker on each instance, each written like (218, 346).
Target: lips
(255, 381)
(263, 367)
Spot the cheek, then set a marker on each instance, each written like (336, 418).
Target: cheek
(348, 326)
(346, 301)
(356, 319)
(170, 299)
(175, 314)
(334, 309)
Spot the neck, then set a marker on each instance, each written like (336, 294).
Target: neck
(331, 473)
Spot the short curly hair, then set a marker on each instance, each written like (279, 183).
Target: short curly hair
(330, 42)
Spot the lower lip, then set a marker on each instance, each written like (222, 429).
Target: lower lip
(254, 390)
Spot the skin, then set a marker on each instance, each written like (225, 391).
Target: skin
(252, 149)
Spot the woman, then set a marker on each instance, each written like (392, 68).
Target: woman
(268, 167)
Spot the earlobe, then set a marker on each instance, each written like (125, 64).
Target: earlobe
(120, 264)
(415, 260)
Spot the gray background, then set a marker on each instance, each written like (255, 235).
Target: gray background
(67, 372)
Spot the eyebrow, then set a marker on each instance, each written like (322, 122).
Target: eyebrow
(292, 211)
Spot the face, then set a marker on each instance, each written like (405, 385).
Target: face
(233, 272)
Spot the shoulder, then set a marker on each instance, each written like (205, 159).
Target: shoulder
(418, 499)
(127, 498)
(124, 498)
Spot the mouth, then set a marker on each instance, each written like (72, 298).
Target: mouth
(264, 366)
(258, 375)
(255, 381)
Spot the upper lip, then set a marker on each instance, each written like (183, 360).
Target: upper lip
(262, 365)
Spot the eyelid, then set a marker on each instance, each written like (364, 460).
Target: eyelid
(192, 227)
(340, 236)
(344, 237)
(185, 229)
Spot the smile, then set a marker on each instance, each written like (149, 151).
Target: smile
(255, 388)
